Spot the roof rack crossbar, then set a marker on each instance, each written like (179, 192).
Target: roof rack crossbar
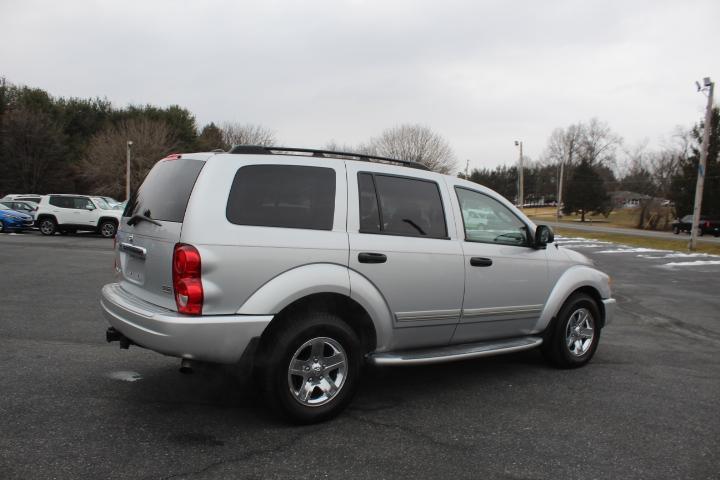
(260, 150)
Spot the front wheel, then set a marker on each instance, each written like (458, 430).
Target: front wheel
(676, 230)
(573, 338)
(108, 229)
(2, 227)
(309, 370)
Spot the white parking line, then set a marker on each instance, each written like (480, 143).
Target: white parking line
(125, 376)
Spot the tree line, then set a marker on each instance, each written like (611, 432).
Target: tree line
(76, 145)
(64, 145)
(595, 163)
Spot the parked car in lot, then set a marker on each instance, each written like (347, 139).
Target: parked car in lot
(71, 213)
(14, 221)
(303, 268)
(30, 197)
(24, 206)
(705, 225)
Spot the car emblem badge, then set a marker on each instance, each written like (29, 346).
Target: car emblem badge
(131, 238)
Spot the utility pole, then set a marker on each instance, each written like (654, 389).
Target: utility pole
(127, 171)
(560, 185)
(709, 85)
(467, 165)
(521, 179)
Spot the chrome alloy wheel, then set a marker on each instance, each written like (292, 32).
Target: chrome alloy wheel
(317, 371)
(580, 332)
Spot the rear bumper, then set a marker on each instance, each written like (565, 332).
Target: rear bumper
(609, 305)
(212, 338)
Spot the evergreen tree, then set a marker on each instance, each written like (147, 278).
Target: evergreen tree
(682, 191)
(585, 192)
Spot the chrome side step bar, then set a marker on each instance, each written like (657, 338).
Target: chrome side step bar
(451, 353)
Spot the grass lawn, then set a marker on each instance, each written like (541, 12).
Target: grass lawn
(624, 217)
(679, 245)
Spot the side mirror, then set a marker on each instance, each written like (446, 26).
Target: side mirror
(543, 236)
(90, 207)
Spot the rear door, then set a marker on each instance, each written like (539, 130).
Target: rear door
(62, 208)
(145, 249)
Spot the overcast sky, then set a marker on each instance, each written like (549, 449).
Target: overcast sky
(480, 73)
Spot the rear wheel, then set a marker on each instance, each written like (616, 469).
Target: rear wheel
(107, 229)
(309, 371)
(676, 230)
(48, 226)
(573, 338)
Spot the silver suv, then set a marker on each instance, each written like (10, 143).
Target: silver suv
(304, 265)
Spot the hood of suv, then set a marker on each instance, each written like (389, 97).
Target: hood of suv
(576, 257)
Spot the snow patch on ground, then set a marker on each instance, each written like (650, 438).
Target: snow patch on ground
(635, 250)
(696, 263)
(125, 376)
(681, 255)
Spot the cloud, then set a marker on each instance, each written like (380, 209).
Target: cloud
(480, 73)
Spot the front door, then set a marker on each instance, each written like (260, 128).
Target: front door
(401, 241)
(506, 280)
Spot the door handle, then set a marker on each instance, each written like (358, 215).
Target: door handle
(480, 262)
(367, 257)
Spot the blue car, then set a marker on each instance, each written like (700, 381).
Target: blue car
(12, 221)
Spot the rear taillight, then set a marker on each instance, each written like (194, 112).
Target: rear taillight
(187, 282)
(707, 224)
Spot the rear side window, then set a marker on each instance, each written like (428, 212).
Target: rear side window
(166, 190)
(62, 202)
(289, 196)
(400, 206)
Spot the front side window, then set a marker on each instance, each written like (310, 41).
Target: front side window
(400, 206)
(289, 196)
(488, 221)
(82, 203)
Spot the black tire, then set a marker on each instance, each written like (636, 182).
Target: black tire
(47, 226)
(107, 229)
(2, 227)
(282, 346)
(676, 230)
(555, 346)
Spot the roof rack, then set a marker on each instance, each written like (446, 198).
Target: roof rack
(260, 150)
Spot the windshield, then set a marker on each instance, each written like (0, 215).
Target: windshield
(101, 203)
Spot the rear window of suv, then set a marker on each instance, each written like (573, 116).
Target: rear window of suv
(166, 190)
(289, 196)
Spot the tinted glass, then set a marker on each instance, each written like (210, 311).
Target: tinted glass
(369, 214)
(62, 202)
(81, 203)
(166, 190)
(287, 196)
(489, 221)
(410, 207)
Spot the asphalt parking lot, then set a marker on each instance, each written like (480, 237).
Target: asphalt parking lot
(73, 406)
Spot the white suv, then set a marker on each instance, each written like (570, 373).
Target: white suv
(70, 213)
(305, 264)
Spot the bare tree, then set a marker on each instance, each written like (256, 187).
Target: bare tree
(33, 143)
(416, 143)
(599, 144)
(103, 165)
(247, 134)
(564, 144)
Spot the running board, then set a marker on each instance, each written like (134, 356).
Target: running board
(451, 353)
